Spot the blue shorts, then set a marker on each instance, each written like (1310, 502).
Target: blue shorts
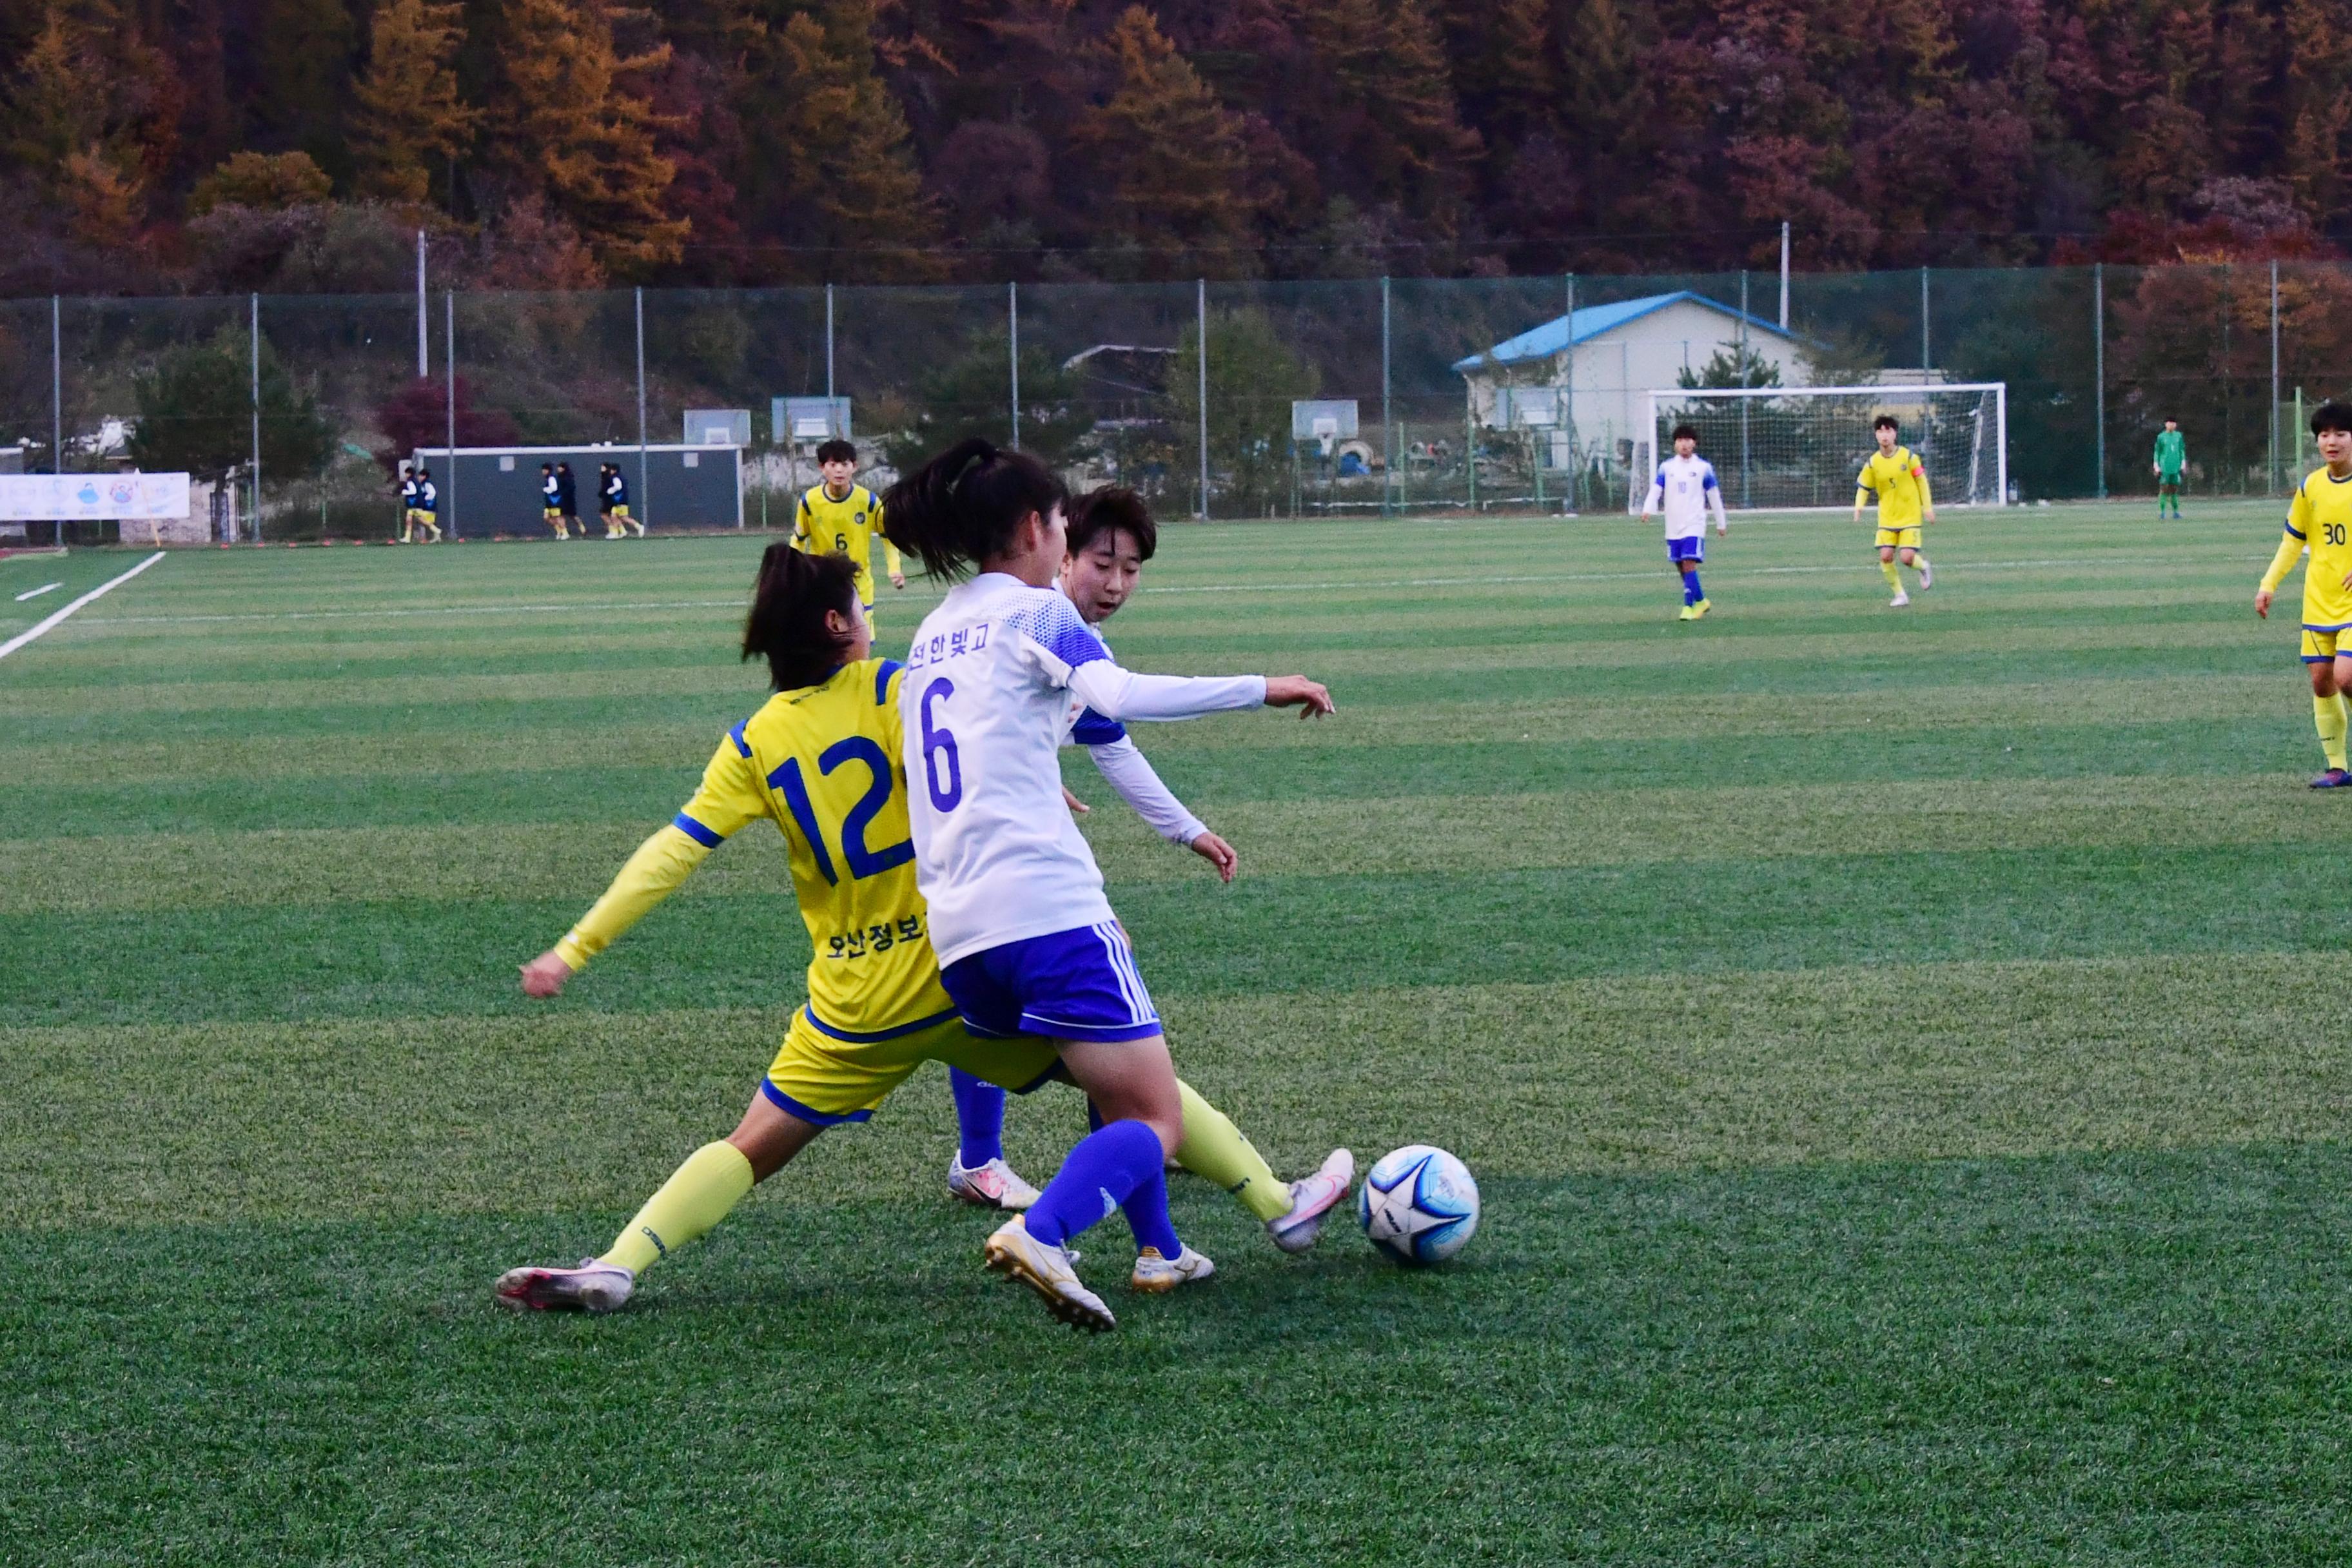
(1079, 984)
(1691, 549)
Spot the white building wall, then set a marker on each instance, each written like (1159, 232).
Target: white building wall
(1616, 369)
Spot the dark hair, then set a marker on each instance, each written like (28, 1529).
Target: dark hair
(2170, 419)
(1683, 430)
(2330, 415)
(547, 468)
(837, 451)
(962, 506)
(786, 625)
(1887, 421)
(1112, 507)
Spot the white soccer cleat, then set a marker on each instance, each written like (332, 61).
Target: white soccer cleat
(990, 1187)
(1900, 599)
(593, 1287)
(1013, 1252)
(1312, 1197)
(1156, 1276)
(1927, 574)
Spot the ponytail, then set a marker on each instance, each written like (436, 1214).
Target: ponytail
(964, 506)
(786, 625)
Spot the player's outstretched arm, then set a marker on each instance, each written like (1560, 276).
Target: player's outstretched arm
(649, 876)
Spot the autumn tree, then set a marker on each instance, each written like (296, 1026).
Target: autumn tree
(1169, 157)
(307, 54)
(86, 115)
(572, 121)
(409, 116)
(265, 181)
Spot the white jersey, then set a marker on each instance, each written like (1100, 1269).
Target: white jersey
(1685, 491)
(1127, 770)
(987, 705)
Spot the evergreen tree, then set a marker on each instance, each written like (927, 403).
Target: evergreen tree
(307, 50)
(196, 414)
(1391, 104)
(410, 118)
(1170, 156)
(572, 122)
(852, 184)
(85, 113)
(2318, 106)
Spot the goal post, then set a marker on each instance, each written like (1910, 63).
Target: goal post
(1797, 448)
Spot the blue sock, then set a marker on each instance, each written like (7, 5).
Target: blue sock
(1691, 596)
(1122, 1162)
(1146, 1209)
(980, 1119)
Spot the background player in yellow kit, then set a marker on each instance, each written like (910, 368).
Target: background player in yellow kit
(821, 760)
(840, 516)
(1896, 477)
(2320, 517)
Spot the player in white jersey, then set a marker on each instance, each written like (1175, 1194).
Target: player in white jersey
(1685, 491)
(1109, 535)
(1027, 943)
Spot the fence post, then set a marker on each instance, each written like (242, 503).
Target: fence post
(644, 471)
(2274, 377)
(254, 301)
(1568, 415)
(2099, 370)
(57, 396)
(450, 395)
(1927, 355)
(1012, 320)
(1201, 327)
(828, 354)
(1388, 423)
(424, 354)
(1743, 386)
(1784, 275)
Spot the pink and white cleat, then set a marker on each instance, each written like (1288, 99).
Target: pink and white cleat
(990, 1187)
(593, 1287)
(1312, 1197)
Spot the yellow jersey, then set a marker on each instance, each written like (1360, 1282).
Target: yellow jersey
(845, 527)
(1899, 482)
(2320, 517)
(822, 763)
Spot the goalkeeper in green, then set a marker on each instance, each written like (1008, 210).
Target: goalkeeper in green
(2171, 458)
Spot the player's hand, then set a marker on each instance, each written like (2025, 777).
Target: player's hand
(1723, 531)
(545, 975)
(1078, 807)
(1309, 697)
(898, 579)
(2262, 603)
(1217, 853)
(1927, 516)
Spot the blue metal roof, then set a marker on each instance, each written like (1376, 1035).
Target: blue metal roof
(1591, 321)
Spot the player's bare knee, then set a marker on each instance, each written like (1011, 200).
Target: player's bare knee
(2322, 680)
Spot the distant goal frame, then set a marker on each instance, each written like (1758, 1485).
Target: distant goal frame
(1641, 472)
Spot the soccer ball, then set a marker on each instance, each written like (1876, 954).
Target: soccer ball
(1419, 1205)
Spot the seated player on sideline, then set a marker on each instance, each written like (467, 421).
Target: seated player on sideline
(1028, 946)
(1685, 491)
(821, 761)
(1896, 476)
(2320, 517)
(841, 516)
(1110, 534)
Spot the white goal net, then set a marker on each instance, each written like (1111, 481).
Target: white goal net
(1790, 447)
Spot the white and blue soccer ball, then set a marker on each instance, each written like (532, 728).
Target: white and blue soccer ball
(1419, 1205)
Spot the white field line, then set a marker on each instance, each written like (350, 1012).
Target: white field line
(1278, 586)
(41, 628)
(37, 592)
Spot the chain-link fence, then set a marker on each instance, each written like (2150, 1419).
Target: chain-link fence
(1342, 397)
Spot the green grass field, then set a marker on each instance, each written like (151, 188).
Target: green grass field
(1901, 1054)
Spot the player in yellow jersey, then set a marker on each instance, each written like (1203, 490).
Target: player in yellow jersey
(842, 517)
(822, 761)
(2320, 518)
(1898, 480)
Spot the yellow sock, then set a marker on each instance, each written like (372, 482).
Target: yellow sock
(696, 1196)
(1893, 579)
(1214, 1147)
(2329, 715)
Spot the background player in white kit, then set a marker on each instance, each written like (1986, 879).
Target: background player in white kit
(1685, 491)
(1027, 943)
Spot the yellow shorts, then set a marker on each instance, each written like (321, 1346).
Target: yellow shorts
(1899, 538)
(2319, 647)
(550, 513)
(416, 515)
(616, 512)
(821, 1077)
